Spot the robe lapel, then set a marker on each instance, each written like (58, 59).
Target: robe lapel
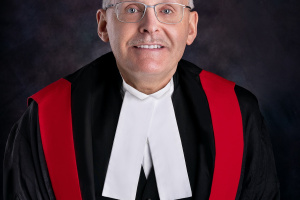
(107, 102)
(195, 128)
(96, 103)
(81, 117)
(82, 134)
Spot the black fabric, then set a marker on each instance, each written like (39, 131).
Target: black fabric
(96, 105)
(258, 178)
(25, 174)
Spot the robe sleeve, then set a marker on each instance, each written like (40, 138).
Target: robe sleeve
(259, 177)
(25, 174)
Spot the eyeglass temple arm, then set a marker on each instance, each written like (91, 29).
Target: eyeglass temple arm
(188, 7)
(109, 6)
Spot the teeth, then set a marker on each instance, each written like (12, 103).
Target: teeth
(150, 46)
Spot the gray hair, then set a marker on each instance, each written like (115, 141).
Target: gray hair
(107, 2)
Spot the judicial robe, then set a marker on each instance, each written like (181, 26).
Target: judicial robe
(96, 100)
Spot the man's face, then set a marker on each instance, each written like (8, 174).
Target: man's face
(126, 40)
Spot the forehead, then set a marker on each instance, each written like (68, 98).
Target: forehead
(152, 2)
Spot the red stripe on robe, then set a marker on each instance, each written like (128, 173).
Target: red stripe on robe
(228, 132)
(55, 120)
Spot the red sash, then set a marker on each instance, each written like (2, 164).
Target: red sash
(228, 132)
(55, 118)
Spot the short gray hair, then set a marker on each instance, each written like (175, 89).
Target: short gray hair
(105, 3)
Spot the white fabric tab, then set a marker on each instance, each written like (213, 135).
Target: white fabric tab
(147, 117)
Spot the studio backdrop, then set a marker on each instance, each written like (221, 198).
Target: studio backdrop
(254, 43)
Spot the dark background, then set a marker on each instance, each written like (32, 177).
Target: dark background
(254, 43)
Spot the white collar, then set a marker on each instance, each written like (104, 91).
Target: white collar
(147, 117)
(169, 87)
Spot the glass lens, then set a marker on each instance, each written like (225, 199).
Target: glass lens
(130, 11)
(169, 13)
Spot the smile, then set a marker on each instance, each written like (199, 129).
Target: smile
(149, 46)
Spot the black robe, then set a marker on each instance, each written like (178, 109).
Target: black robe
(96, 103)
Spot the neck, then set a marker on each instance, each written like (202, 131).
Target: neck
(148, 84)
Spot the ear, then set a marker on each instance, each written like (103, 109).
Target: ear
(102, 23)
(193, 23)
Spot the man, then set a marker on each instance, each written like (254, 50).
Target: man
(140, 123)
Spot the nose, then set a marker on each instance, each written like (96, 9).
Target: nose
(149, 23)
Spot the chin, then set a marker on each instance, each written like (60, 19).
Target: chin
(150, 68)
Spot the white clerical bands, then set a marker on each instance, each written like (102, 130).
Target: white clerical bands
(145, 117)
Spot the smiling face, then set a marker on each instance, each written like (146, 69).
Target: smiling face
(148, 50)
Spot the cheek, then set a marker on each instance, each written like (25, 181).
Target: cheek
(115, 39)
(178, 34)
(179, 39)
(119, 36)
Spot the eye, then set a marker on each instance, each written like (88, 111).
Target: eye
(166, 11)
(132, 10)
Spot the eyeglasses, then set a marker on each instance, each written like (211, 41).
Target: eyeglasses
(133, 12)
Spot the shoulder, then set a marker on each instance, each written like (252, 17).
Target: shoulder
(249, 106)
(246, 98)
(190, 69)
(100, 68)
(187, 68)
(53, 90)
(216, 83)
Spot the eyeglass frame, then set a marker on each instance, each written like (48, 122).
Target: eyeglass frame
(147, 6)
